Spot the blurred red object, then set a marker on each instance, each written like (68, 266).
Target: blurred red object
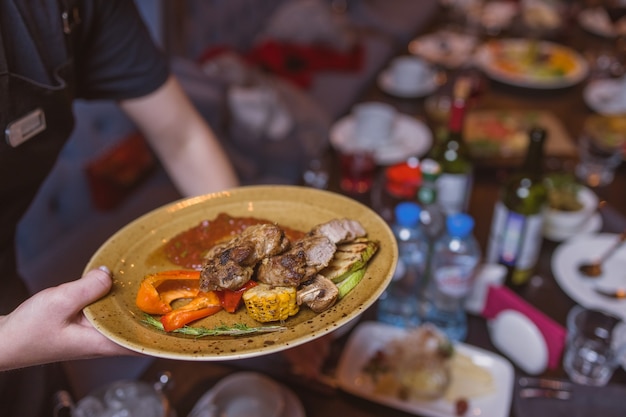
(114, 175)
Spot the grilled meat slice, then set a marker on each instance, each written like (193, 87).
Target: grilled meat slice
(318, 293)
(231, 264)
(339, 230)
(303, 260)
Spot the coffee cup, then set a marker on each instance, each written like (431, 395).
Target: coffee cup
(373, 123)
(408, 72)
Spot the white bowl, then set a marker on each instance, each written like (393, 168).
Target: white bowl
(247, 394)
(565, 221)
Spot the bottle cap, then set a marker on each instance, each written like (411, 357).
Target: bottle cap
(403, 179)
(408, 213)
(460, 224)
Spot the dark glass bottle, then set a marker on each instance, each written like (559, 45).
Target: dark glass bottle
(432, 217)
(455, 182)
(516, 229)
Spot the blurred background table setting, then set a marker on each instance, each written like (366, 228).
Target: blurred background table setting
(517, 82)
(510, 281)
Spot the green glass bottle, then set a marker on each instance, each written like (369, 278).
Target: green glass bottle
(455, 182)
(516, 228)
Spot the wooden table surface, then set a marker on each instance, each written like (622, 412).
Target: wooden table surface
(192, 379)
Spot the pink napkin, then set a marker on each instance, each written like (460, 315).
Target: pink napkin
(503, 298)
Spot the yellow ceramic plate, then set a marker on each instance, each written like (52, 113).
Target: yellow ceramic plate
(134, 252)
(538, 64)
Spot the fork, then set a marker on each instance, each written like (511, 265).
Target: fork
(544, 388)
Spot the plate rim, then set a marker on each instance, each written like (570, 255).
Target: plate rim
(482, 58)
(294, 193)
(411, 407)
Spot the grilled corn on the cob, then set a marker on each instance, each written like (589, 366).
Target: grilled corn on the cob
(265, 303)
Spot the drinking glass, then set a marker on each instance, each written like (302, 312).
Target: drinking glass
(357, 168)
(591, 355)
(598, 160)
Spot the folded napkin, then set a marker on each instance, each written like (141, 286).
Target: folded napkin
(503, 298)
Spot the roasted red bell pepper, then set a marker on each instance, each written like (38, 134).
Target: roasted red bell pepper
(231, 299)
(203, 305)
(157, 291)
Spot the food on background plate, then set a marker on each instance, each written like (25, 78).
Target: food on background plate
(563, 192)
(423, 365)
(271, 271)
(499, 134)
(531, 59)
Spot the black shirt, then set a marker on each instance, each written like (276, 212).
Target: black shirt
(109, 54)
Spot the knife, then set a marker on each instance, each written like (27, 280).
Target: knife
(544, 393)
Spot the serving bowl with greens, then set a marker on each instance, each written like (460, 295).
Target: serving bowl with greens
(570, 204)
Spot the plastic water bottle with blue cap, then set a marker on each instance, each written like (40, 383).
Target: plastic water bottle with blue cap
(400, 304)
(455, 259)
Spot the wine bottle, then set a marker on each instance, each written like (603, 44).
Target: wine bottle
(455, 182)
(516, 229)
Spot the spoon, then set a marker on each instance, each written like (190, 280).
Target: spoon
(594, 269)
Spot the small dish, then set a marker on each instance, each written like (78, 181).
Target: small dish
(592, 225)
(606, 96)
(245, 394)
(570, 223)
(427, 86)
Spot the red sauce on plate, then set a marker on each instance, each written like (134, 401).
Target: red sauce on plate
(188, 248)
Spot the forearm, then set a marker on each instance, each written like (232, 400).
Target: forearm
(183, 141)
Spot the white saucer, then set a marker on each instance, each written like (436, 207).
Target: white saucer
(386, 83)
(410, 137)
(592, 225)
(606, 96)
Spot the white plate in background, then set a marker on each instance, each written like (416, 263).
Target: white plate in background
(585, 248)
(369, 337)
(503, 60)
(410, 137)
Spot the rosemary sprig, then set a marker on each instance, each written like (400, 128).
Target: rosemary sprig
(237, 329)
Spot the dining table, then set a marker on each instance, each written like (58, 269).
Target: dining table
(191, 379)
